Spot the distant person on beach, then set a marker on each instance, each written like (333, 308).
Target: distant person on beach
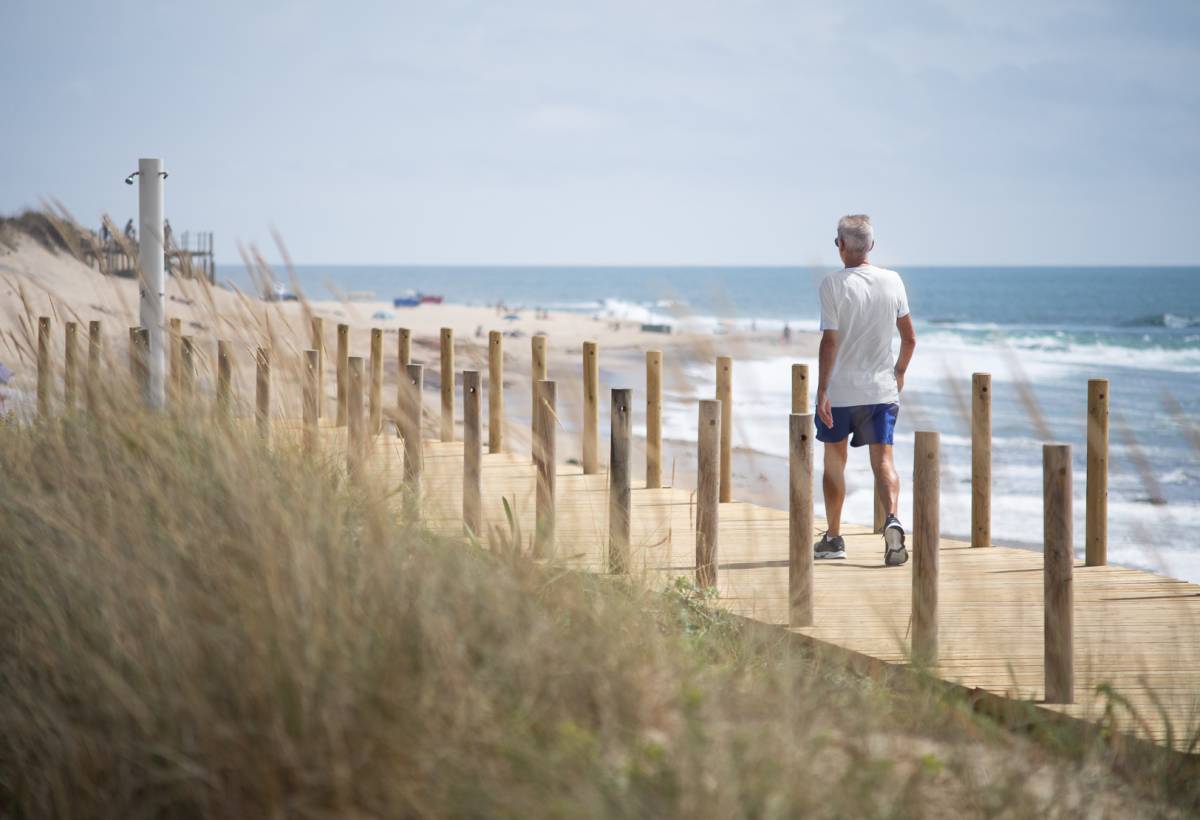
(130, 233)
(858, 391)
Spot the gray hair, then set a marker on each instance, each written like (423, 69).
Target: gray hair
(855, 233)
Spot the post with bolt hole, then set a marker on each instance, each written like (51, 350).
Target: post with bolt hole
(800, 388)
(95, 351)
(355, 423)
(1096, 514)
(410, 428)
(447, 384)
(800, 519)
(472, 454)
(591, 409)
(708, 467)
(376, 392)
(619, 496)
(981, 460)
(71, 367)
(343, 364)
(926, 534)
(318, 346)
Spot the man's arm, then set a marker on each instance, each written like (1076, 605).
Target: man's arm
(827, 355)
(908, 343)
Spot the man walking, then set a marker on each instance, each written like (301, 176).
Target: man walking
(858, 391)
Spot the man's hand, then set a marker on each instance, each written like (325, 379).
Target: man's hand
(899, 380)
(824, 410)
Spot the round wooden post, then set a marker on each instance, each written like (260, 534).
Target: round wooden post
(472, 454)
(343, 356)
(1058, 585)
(1096, 513)
(619, 498)
(545, 458)
(95, 351)
(926, 535)
(355, 423)
(495, 391)
(175, 353)
(725, 396)
(447, 384)
(981, 460)
(224, 381)
(318, 346)
(537, 371)
(800, 518)
(800, 388)
(44, 374)
(591, 409)
(376, 392)
(410, 424)
(311, 399)
(708, 480)
(187, 374)
(653, 419)
(71, 367)
(404, 348)
(262, 392)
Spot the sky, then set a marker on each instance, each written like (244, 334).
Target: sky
(553, 132)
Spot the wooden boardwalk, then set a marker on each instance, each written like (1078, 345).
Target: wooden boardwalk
(1135, 631)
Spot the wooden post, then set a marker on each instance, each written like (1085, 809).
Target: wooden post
(139, 362)
(472, 454)
(410, 423)
(175, 333)
(708, 465)
(224, 381)
(1096, 513)
(537, 370)
(262, 392)
(318, 347)
(447, 384)
(800, 388)
(495, 391)
(591, 409)
(44, 374)
(619, 498)
(1058, 585)
(95, 351)
(187, 375)
(653, 419)
(71, 368)
(343, 364)
(355, 423)
(404, 348)
(311, 396)
(981, 460)
(376, 393)
(545, 458)
(800, 517)
(725, 396)
(926, 535)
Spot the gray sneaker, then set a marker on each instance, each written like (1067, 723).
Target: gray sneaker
(894, 551)
(829, 547)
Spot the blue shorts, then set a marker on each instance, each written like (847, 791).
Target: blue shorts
(865, 423)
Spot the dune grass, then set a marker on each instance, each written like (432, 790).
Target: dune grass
(194, 624)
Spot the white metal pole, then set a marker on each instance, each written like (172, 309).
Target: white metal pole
(153, 275)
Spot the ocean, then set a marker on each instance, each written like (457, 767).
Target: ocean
(1051, 328)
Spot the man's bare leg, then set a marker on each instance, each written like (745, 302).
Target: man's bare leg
(833, 483)
(887, 481)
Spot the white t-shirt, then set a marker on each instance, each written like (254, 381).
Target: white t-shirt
(862, 304)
